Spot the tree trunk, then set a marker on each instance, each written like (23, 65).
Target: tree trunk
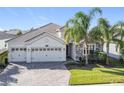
(107, 50)
(86, 54)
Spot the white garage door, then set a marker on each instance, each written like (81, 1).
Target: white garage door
(18, 54)
(47, 54)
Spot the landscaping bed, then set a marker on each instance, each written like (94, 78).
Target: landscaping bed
(96, 73)
(3, 61)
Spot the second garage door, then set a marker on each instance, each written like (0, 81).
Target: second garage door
(47, 54)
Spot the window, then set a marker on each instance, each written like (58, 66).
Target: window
(40, 49)
(59, 49)
(116, 48)
(55, 49)
(13, 49)
(93, 47)
(5, 45)
(24, 49)
(46, 45)
(32, 49)
(91, 51)
(16, 49)
(52, 49)
(84, 51)
(48, 49)
(36, 49)
(21, 49)
(44, 49)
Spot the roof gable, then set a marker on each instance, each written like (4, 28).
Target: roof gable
(51, 28)
(44, 34)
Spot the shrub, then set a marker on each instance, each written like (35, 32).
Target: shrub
(101, 55)
(3, 59)
(82, 60)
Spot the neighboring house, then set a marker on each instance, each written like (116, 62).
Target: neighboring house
(44, 44)
(113, 50)
(4, 37)
(13, 31)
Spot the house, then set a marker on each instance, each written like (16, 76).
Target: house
(113, 50)
(13, 31)
(43, 44)
(4, 37)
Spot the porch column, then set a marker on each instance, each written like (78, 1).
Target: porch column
(74, 52)
(28, 55)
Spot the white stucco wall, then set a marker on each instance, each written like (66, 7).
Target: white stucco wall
(112, 50)
(2, 44)
(52, 43)
(39, 42)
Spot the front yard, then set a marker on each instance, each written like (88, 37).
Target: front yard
(95, 74)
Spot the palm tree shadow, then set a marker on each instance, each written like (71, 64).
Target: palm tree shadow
(6, 76)
(116, 72)
(80, 66)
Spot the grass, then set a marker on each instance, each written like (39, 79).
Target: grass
(95, 74)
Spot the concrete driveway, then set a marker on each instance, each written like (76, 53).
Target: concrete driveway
(35, 74)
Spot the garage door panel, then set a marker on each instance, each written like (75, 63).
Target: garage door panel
(18, 56)
(47, 55)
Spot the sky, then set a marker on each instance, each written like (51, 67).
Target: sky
(25, 18)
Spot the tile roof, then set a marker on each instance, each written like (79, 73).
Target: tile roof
(4, 35)
(51, 28)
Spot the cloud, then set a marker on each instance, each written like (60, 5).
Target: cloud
(1, 29)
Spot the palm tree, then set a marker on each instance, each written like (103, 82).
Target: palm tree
(77, 28)
(118, 38)
(104, 33)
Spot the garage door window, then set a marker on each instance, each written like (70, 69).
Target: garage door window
(24, 49)
(17, 49)
(59, 49)
(48, 49)
(44, 49)
(40, 49)
(55, 49)
(36, 49)
(21, 49)
(13, 49)
(52, 49)
(32, 49)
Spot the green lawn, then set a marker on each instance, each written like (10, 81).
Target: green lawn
(95, 75)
